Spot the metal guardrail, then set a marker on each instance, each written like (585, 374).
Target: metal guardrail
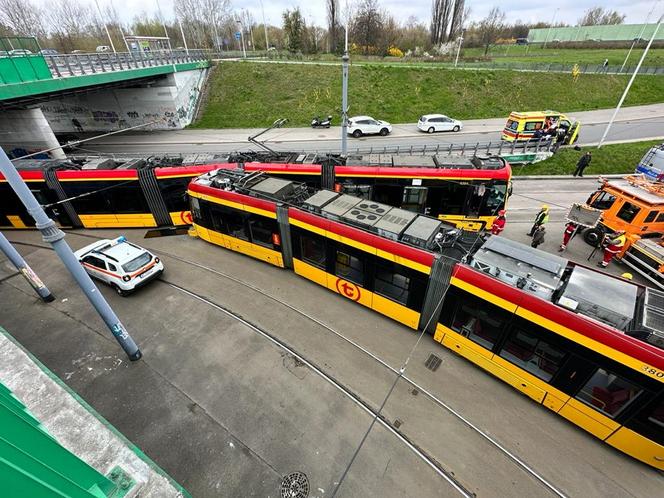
(560, 68)
(65, 65)
(463, 149)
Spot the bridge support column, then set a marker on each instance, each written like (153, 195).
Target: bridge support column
(24, 131)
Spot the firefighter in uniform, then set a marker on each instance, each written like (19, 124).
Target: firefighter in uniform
(614, 244)
(541, 218)
(499, 223)
(570, 231)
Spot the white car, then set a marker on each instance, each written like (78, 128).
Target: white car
(438, 122)
(121, 264)
(366, 125)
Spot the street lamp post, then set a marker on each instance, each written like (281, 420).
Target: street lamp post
(553, 20)
(267, 45)
(239, 22)
(344, 98)
(631, 80)
(636, 40)
(456, 59)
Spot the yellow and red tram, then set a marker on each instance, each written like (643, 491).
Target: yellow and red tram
(109, 194)
(541, 330)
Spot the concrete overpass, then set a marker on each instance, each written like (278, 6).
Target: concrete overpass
(41, 96)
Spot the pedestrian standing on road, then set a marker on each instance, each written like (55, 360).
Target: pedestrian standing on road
(584, 161)
(570, 232)
(541, 218)
(605, 65)
(499, 223)
(538, 236)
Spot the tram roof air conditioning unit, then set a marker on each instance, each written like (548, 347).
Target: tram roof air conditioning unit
(422, 231)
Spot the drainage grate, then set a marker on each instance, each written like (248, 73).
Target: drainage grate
(295, 485)
(433, 362)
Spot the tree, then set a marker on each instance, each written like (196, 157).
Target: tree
(22, 18)
(490, 27)
(294, 28)
(333, 26)
(366, 26)
(447, 18)
(205, 20)
(596, 16)
(70, 23)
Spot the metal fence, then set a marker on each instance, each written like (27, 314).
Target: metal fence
(559, 68)
(81, 64)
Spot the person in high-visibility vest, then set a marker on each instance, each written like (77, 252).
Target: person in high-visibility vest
(541, 218)
(570, 231)
(614, 244)
(499, 223)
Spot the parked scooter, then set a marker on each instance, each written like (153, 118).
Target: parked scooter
(318, 123)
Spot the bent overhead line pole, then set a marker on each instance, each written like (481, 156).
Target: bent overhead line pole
(54, 236)
(20, 264)
(631, 80)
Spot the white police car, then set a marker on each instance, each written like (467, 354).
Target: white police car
(119, 263)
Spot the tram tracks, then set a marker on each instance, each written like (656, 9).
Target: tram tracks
(346, 390)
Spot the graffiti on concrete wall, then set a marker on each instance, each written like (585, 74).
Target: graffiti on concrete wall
(171, 106)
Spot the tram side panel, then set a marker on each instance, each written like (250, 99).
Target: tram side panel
(594, 386)
(357, 270)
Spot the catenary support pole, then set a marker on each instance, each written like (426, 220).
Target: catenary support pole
(54, 236)
(344, 99)
(629, 84)
(20, 264)
(637, 40)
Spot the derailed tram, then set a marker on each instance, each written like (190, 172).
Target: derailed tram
(537, 321)
(105, 193)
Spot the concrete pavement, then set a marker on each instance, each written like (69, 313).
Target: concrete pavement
(228, 414)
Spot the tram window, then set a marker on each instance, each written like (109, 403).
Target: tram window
(608, 393)
(474, 318)
(603, 201)
(313, 250)
(96, 202)
(391, 281)
(628, 211)
(494, 199)
(363, 191)
(261, 231)
(449, 198)
(349, 267)
(127, 199)
(650, 422)
(174, 192)
(525, 349)
(236, 228)
(651, 217)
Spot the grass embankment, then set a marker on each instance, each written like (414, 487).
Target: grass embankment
(246, 94)
(610, 159)
(593, 56)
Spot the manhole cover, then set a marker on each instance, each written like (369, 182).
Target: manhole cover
(295, 485)
(433, 362)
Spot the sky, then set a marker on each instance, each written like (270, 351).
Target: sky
(569, 11)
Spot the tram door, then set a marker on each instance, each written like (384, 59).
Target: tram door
(414, 199)
(56, 213)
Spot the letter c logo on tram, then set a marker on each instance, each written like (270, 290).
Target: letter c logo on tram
(348, 289)
(186, 218)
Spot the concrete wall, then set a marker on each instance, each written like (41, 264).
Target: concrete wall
(26, 131)
(170, 103)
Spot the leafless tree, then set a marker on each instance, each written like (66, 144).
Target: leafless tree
(490, 27)
(203, 20)
(333, 26)
(598, 15)
(70, 22)
(22, 18)
(440, 20)
(459, 15)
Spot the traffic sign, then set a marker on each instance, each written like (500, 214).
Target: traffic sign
(237, 35)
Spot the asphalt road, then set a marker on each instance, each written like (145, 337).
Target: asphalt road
(632, 124)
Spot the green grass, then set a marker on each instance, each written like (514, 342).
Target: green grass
(610, 159)
(246, 94)
(524, 53)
